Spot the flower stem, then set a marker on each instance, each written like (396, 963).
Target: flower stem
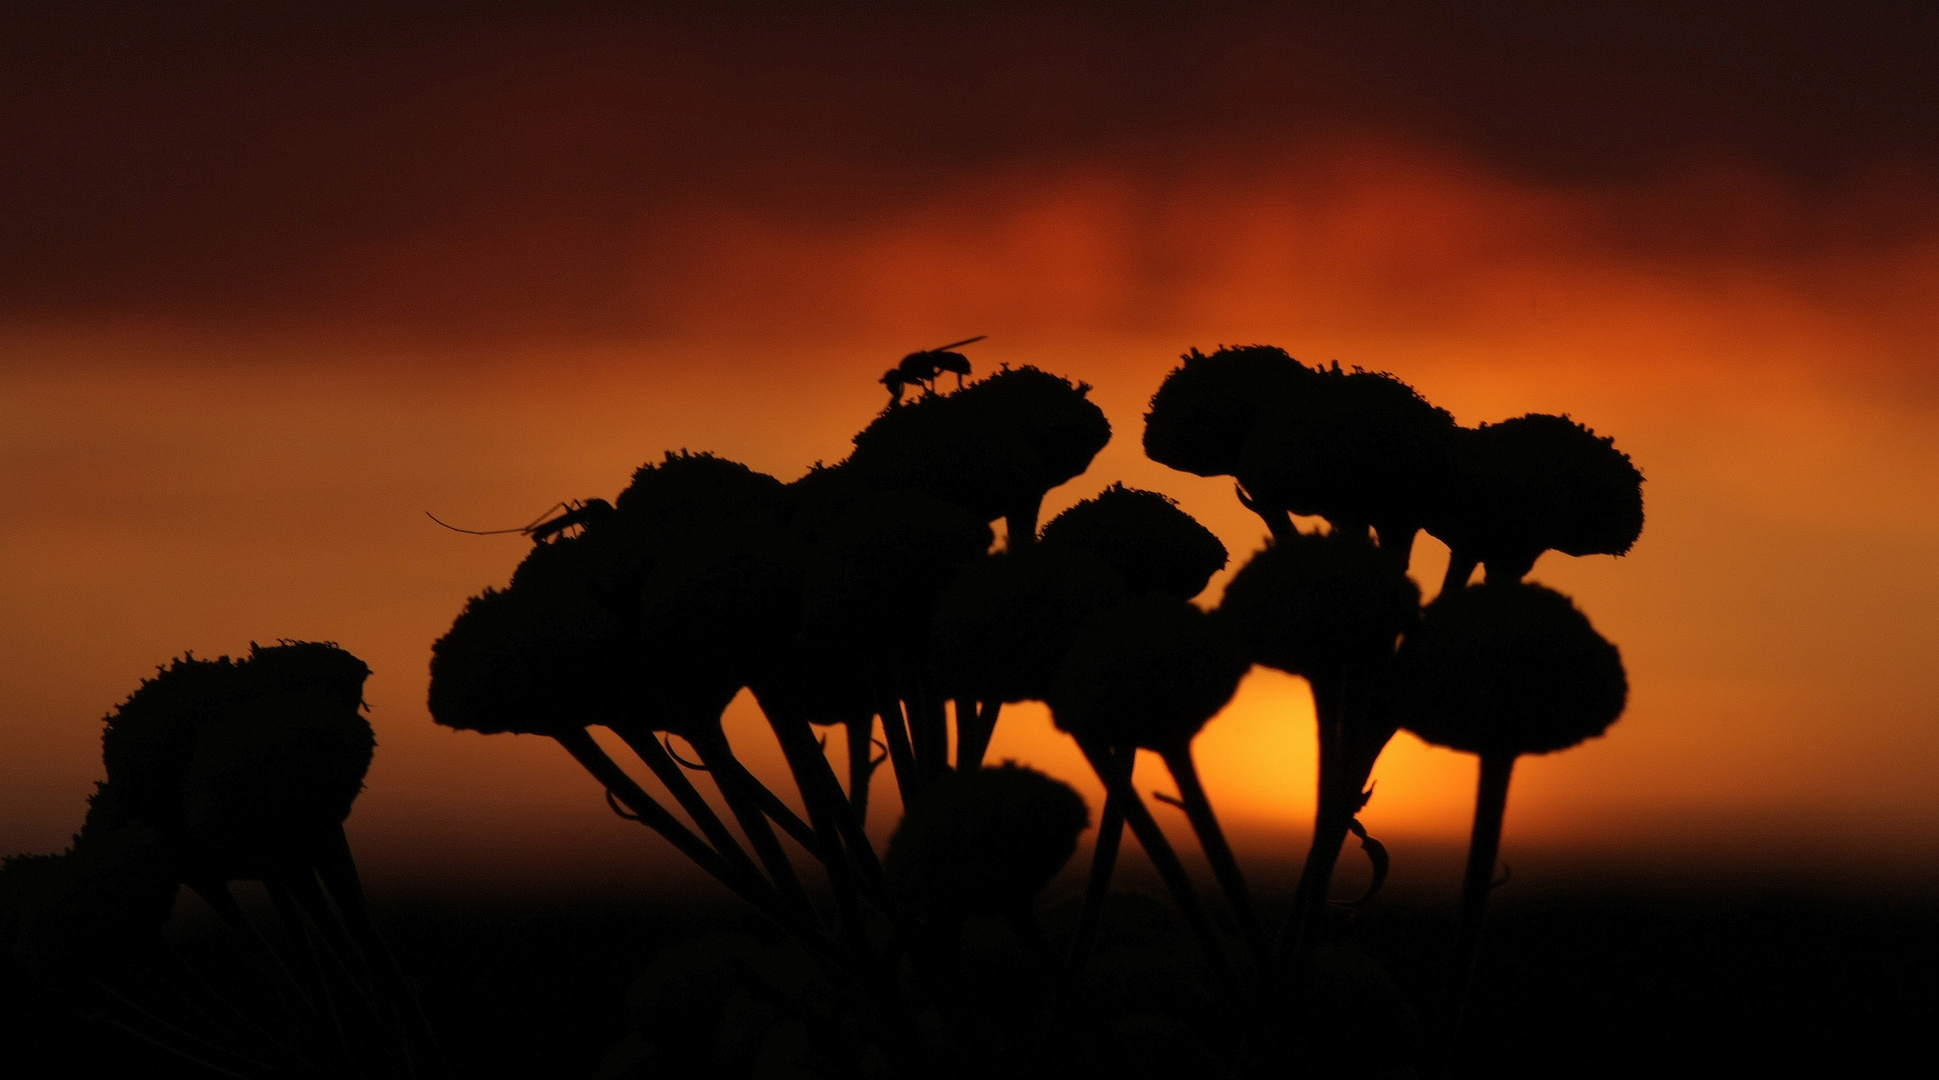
(861, 764)
(1484, 847)
(1159, 849)
(675, 779)
(1225, 866)
(737, 787)
(974, 725)
(1104, 859)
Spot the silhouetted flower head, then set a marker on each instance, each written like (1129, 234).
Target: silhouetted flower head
(284, 760)
(666, 500)
(943, 446)
(717, 611)
(1205, 409)
(1056, 417)
(1004, 626)
(1536, 483)
(873, 567)
(1355, 447)
(993, 448)
(985, 842)
(533, 661)
(1149, 672)
(1313, 604)
(1144, 536)
(687, 485)
(1506, 669)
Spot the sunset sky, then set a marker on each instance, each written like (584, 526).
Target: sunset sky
(274, 284)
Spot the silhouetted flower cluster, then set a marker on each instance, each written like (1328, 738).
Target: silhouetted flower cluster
(869, 594)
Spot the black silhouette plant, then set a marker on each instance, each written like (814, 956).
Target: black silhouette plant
(221, 771)
(1331, 609)
(869, 589)
(985, 841)
(1144, 536)
(1500, 671)
(1149, 674)
(1533, 484)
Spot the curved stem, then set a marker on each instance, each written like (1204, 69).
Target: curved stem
(581, 746)
(1346, 758)
(670, 774)
(1225, 866)
(861, 764)
(902, 755)
(1484, 847)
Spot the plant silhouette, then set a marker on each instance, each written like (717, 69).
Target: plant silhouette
(871, 595)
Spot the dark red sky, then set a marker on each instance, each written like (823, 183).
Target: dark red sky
(501, 163)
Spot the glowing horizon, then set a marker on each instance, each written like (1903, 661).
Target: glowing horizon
(176, 486)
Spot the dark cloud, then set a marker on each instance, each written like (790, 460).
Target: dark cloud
(357, 162)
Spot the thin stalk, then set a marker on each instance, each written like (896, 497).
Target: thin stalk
(306, 950)
(803, 752)
(674, 778)
(581, 746)
(1484, 847)
(975, 724)
(929, 728)
(160, 1045)
(1159, 849)
(338, 870)
(1348, 749)
(1198, 809)
(735, 787)
(1460, 568)
(861, 764)
(902, 755)
(1104, 860)
(383, 1008)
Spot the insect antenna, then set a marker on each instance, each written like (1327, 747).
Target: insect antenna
(496, 532)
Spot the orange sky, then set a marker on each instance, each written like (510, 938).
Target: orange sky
(173, 488)
(275, 290)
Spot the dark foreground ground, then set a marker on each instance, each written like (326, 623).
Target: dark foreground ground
(1575, 983)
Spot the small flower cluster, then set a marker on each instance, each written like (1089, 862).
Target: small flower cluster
(219, 771)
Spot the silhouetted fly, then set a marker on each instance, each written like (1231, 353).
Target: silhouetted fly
(923, 368)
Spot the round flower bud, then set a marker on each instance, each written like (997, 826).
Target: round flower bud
(1506, 669)
(943, 446)
(686, 485)
(1057, 419)
(532, 661)
(1204, 410)
(1148, 673)
(1144, 536)
(1536, 483)
(1355, 447)
(984, 842)
(1004, 626)
(1313, 605)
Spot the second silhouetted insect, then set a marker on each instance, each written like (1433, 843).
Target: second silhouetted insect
(923, 368)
